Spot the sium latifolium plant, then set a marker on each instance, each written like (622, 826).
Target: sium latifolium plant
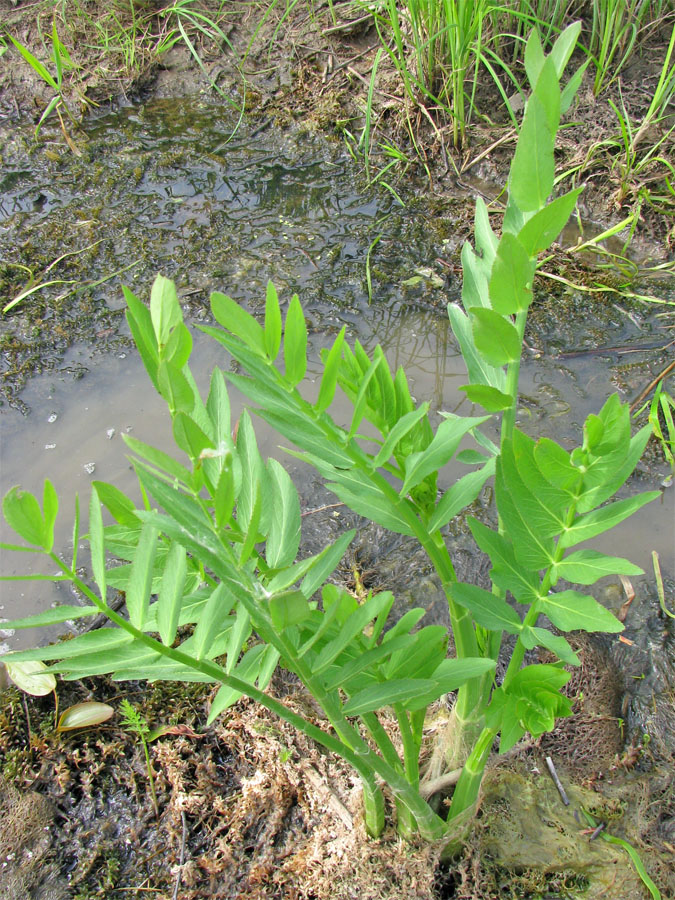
(215, 592)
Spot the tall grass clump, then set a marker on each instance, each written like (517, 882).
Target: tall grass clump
(615, 27)
(437, 47)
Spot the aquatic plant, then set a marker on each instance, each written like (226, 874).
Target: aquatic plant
(614, 32)
(213, 585)
(62, 61)
(661, 410)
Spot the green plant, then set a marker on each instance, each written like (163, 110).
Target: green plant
(62, 61)
(216, 540)
(662, 601)
(184, 21)
(630, 850)
(614, 31)
(436, 47)
(661, 407)
(632, 163)
(134, 722)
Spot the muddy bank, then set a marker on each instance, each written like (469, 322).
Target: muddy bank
(250, 809)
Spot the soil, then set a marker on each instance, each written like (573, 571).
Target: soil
(248, 809)
(309, 69)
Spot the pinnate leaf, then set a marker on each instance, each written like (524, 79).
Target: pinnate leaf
(283, 537)
(238, 321)
(487, 609)
(511, 278)
(295, 343)
(23, 514)
(601, 520)
(533, 168)
(440, 451)
(272, 322)
(171, 593)
(165, 310)
(543, 228)
(488, 397)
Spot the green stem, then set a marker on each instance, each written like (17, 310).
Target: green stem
(411, 748)
(383, 741)
(512, 376)
(373, 808)
(350, 745)
(406, 823)
(151, 778)
(465, 796)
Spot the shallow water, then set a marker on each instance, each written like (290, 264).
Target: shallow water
(73, 434)
(163, 189)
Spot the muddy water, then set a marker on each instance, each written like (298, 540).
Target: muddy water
(164, 187)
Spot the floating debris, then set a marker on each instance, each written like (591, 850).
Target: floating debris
(90, 468)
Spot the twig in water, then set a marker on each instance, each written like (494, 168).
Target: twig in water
(630, 596)
(556, 781)
(659, 585)
(598, 831)
(99, 621)
(652, 384)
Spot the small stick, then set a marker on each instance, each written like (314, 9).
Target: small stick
(630, 596)
(556, 781)
(365, 81)
(598, 831)
(347, 26)
(652, 384)
(25, 709)
(429, 788)
(310, 512)
(99, 621)
(334, 802)
(182, 854)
